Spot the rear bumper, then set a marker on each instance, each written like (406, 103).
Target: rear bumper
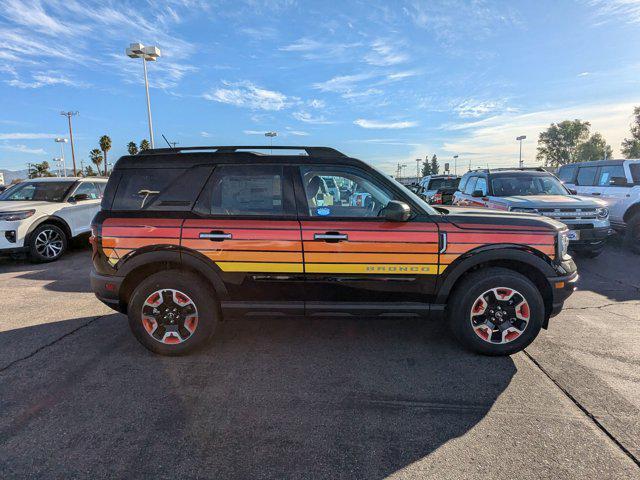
(107, 290)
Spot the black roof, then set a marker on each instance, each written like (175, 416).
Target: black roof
(184, 157)
(596, 163)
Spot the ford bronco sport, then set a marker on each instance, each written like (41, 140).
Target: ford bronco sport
(187, 236)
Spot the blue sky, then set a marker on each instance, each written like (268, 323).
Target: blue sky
(386, 81)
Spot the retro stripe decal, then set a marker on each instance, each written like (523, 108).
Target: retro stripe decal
(375, 269)
(264, 267)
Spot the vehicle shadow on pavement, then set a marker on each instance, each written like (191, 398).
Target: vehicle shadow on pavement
(270, 398)
(69, 274)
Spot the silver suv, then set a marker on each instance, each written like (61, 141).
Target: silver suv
(617, 182)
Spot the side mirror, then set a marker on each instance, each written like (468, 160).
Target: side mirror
(396, 211)
(618, 181)
(80, 197)
(477, 193)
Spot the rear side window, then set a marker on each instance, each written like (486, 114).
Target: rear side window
(567, 173)
(470, 186)
(608, 172)
(89, 189)
(463, 183)
(635, 172)
(247, 190)
(587, 176)
(166, 189)
(481, 185)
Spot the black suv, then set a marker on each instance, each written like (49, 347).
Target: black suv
(187, 236)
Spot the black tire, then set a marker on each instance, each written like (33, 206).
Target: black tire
(196, 289)
(464, 298)
(632, 234)
(47, 243)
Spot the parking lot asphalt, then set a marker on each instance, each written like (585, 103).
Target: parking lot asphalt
(315, 398)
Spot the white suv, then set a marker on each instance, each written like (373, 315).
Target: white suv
(617, 182)
(40, 216)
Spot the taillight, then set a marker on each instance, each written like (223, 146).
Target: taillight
(437, 199)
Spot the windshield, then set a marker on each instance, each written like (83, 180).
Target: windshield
(37, 191)
(519, 184)
(438, 183)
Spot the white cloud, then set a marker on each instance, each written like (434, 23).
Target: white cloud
(204, 134)
(297, 133)
(254, 132)
(615, 11)
(46, 79)
(384, 53)
(401, 75)
(308, 118)
(362, 93)
(32, 14)
(361, 122)
(246, 94)
(342, 83)
(584, 74)
(311, 49)
(316, 103)
(492, 139)
(23, 149)
(28, 136)
(472, 108)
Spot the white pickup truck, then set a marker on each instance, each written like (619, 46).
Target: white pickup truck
(41, 215)
(617, 182)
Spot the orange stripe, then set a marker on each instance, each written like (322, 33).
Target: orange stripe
(141, 232)
(137, 242)
(246, 234)
(500, 238)
(280, 245)
(230, 256)
(378, 236)
(316, 246)
(369, 258)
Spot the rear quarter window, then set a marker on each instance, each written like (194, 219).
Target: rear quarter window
(586, 176)
(635, 172)
(567, 173)
(167, 189)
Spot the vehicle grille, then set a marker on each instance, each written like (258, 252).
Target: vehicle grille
(568, 213)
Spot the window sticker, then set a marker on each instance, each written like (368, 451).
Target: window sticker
(323, 211)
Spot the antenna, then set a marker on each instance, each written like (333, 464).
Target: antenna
(170, 146)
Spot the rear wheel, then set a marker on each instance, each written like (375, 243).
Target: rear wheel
(48, 243)
(172, 312)
(496, 311)
(632, 234)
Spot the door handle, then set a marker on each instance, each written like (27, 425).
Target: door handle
(595, 193)
(216, 236)
(331, 236)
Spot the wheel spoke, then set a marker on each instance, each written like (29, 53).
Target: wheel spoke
(500, 315)
(173, 312)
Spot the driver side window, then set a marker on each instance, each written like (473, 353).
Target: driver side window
(343, 192)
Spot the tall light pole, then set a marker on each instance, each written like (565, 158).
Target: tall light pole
(455, 164)
(59, 165)
(73, 153)
(270, 136)
(520, 139)
(148, 54)
(418, 162)
(62, 141)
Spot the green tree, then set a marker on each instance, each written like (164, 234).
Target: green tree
(595, 148)
(144, 144)
(426, 167)
(89, 171)
(631, 146)
(435, 166)
(558, 145)
(105, 146)
(132, 148)
(40, 170)
(95, 156)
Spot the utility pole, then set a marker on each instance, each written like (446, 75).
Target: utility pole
(455, 164)
(418, 162)
(73, 153)
(82, 166)
(520, 139)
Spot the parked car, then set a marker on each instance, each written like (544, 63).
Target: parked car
(538, 191)
(42, 215)
(616, 182)
(432, 183)
(186, 236)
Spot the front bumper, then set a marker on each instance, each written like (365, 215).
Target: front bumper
(107, 289)
(563, 286)
(591, 237)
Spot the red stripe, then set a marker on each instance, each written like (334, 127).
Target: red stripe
(244, 224)
(371, 225)
(242, 234)
(142, 222)
(141, 232)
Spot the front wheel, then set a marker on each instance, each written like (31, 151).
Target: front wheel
(172, 312)
(496, 311)
(632, 234)
(48, 243)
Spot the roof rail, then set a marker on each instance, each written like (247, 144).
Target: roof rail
(311, 151)
(503, 169)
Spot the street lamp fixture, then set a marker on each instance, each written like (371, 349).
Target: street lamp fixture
(270, 136)
(520, 139)
(147, 54)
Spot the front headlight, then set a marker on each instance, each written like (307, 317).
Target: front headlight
(602, 213)
(14, 216)
(562, 244)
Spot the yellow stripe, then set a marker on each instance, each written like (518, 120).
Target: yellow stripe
(373, 268)
(260, 267)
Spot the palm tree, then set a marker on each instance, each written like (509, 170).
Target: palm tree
(96, 158)
(40, 170)
(132, 148)
(105, 146)
(144, 144)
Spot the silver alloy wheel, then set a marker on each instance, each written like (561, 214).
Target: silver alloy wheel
(500, 315)
(169, 316)
(49, 243)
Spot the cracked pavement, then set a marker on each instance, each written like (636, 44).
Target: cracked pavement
(314, 398)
